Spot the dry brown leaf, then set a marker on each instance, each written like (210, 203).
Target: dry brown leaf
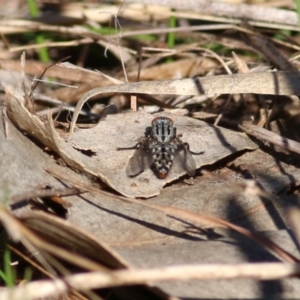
(184, 67)
(124, 130)
(273, 83)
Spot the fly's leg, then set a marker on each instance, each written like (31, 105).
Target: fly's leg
(136, 146)
(187, 146)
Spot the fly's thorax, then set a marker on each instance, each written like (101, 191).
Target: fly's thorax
(162, 129)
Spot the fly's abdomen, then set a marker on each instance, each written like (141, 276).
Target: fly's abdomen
(163, 156)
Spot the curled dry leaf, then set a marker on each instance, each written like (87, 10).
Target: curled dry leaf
(273, 83)
(95, 150)
(124, 130)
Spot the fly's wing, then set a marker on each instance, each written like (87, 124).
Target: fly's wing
(141, 160)
(183, 158)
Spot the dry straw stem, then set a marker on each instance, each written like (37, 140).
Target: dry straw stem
(89, 37)
(269, 136)
(293, 216)
(3, 116)
(24, 25)
(217, 12)
(204, 10)
(176, 29)
(35, 67)
(46, 288)
(268, 49)
(41, 193)
(19, 233)
(272, 83)
(224, 9)
(199, 218)
(249, 188)
(38, 267)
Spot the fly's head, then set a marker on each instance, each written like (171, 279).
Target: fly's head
(163, 130)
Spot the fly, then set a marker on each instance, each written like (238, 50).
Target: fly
(159, 149)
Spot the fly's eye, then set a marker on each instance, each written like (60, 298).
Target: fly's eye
(156, 120)
(170, 121)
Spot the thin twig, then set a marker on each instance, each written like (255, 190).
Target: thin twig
(269, 136)
(95, 280)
